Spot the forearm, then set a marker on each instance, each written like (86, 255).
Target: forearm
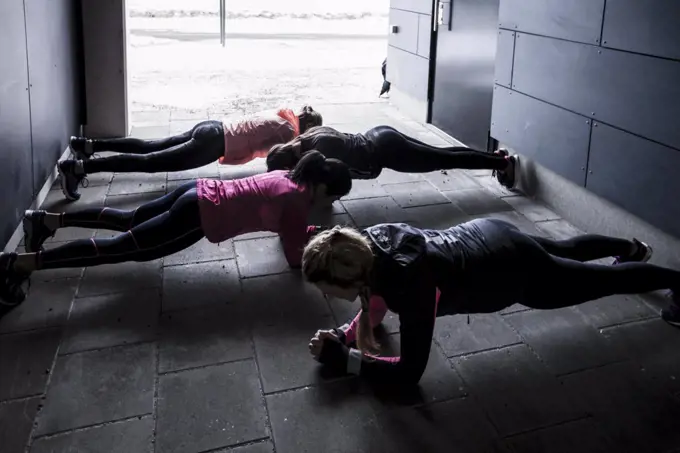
(377, 311)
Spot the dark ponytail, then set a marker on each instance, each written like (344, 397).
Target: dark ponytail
(309, 118)
(282, 156)
(314, 169)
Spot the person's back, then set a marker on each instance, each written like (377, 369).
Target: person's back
(255, 203)
(355, 150)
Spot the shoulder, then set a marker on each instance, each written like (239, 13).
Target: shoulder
(399, 242)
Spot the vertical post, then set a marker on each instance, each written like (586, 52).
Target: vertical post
(223, 22)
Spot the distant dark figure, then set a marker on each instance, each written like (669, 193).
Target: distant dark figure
(386, 85)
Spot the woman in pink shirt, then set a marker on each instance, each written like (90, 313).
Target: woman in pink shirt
(278, 201)
(230, 142)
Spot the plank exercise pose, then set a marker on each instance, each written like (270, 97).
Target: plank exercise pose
(385, 147)
(217, 210)
(229, 142)
(481, 266)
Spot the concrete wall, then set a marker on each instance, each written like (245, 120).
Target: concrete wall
(105, 68)
(589, 90)
(408, 56)
(41, 98)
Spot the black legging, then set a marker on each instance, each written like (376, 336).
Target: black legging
(551, 274)
(200, 146)
(154, 230)
(402, 153)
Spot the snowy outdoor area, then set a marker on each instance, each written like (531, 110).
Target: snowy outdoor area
(276, 53)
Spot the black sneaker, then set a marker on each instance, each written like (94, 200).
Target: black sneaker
(11, 284)
(35, 231)
(672, 314)
(81, 148)
(504, 178)
(69, 179)
(642, 254)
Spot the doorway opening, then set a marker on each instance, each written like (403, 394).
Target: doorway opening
(274, 53)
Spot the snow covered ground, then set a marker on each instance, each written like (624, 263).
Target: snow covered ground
(175, 60)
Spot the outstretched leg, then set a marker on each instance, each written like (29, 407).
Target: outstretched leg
(40, 225)
(84, 148)
(402, 153)
(204, 147)
(588, 247)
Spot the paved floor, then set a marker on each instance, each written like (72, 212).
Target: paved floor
(206, 350)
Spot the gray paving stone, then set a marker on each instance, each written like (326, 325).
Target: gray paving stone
(68, 234)
(209, 171)
(130, 183)
(99, 386)
(461, 426)
(559, 229)
(283, 356)
(584, 436)
(256, 235)
(654, 345)
(516, 390)
(365, 188)
(209, 408)
(343, 421)
(477, 201)
(47, 305)
(200, 284)
(485, 331)
(532, 210)
(120, 278)
(515, 308)
(420, 193)
(259, 447)
(199, 337)
(388, 176)
(612, 310)
(202, 251)
(253, 167)
(25, 361)
(491, 184)
(452, 180)
(438, 217)
(123, 437)
(90, 197)
(131, 201)
(632, 410)
(439, 381)
(376, 210)
(112, 320)
(17, 417)
(261, 257)
(564, 340)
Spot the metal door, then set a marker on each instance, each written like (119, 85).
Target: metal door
(462, 92)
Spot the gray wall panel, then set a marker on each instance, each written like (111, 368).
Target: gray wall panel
(649, 26)
(418, 6)
(16, 180)
(636, 174)
(424, 35)
(625, 90)
(406, 37)
(504, 57)
(576, 20)
(409, 72)
(52, 44)
(554, 137)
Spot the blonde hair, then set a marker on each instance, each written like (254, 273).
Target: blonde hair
(343, 257)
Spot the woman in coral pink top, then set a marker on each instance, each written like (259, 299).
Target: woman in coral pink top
(278, 201)
(231, 142)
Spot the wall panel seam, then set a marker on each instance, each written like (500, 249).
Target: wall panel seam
(592, 120)
(30, 107)
(410, 11)
(408, 52)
